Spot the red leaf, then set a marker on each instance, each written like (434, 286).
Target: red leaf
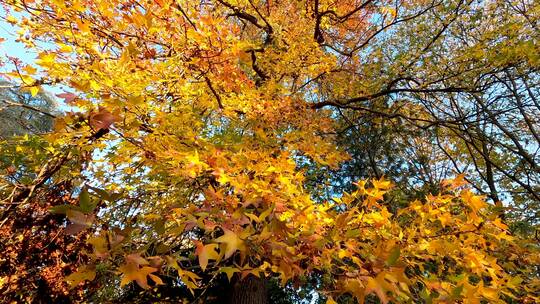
(68, 97)
(103, 119)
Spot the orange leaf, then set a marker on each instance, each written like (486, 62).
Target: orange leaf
(132, 272)
(205, 253)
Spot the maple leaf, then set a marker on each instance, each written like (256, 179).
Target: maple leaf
(11, 19)
(393, 256)
(476, 202)
(229, 271)
(273, 133)
(79, 221)
(102, 119)
(381, 184)
(136, 259)
(444, 218)
(34, 90)
(232, 243)
(99, 244)
(82, 274)
(455, 182)
(68, 97)
(132, 272)
(356, 288)
(330, 300)
(223, 178)
(499, 224)
(378, 285)
(46, 59)
(205, 253)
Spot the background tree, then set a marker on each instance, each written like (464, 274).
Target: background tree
(37, 255)
(21, 113)
(468, 85)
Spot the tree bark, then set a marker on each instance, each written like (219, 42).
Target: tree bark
(250, 290)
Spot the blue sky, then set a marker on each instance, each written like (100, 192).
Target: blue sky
(9, 47)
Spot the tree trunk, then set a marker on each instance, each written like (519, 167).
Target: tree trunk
(250, 290)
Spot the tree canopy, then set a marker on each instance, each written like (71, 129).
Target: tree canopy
(379, 151)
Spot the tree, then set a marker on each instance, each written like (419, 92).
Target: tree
(200, 121)
(468, 85)
(24, 113)
(37, 256)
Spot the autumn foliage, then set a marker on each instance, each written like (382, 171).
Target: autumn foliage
(185, 151)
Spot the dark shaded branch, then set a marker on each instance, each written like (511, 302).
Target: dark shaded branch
(242, 15)
(28, 107)
(216, 95)
(346, 103)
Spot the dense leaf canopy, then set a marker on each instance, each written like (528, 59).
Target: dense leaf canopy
(215, 141)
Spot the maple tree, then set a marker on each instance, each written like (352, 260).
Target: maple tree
(197, 127)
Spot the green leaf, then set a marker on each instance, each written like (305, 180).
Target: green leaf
(102, 194)
(84, 273)
(62, 209)
(85, 203)
(456, 292)
(394, 256)
(159, 226)
(424, 294)
(353, 233)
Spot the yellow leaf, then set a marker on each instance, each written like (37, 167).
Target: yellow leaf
(223, 179)
(30, 69)
(357, 289)
(26, 79)
(34, 90)
(376, 285)
(100, 245)
(156, 279)
(387, 10)
(456, 182)
(444, 218)
(476, 202)
(499, 224)
(229, 271)
(83, 26)
(46, 59)
(82, 274)
(94, 85)
(132, 272)
(330, 300)
(64, 48)
(11, 19)
(232, 243)
(381, 184)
